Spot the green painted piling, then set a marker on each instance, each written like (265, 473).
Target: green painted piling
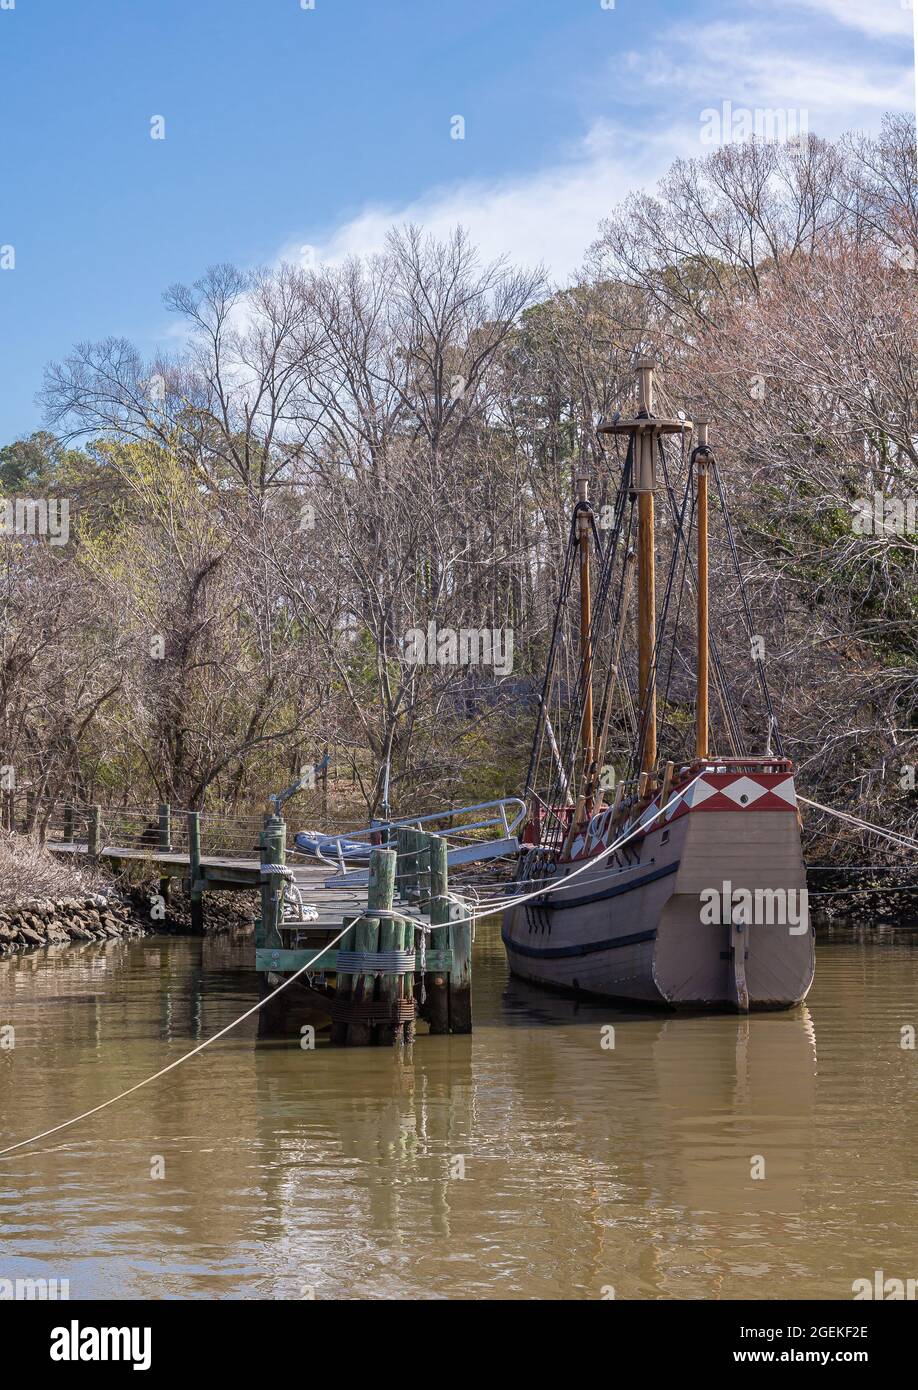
(360, 1032)
(404, 877)
(402, 846)
(410, 872)
(436, 982)
(423, 842)
(273, 842)
(380, 894)
(344, 984)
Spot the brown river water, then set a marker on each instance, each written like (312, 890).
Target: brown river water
(526, 1161)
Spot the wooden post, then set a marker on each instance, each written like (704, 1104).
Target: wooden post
(402, 835)
(584, 532)
(405, 877)
(68, 824)
(164, 817)
(195, 892)
(645, 458)
(667, 785)
(391, 934)
(701, 696)
(344, 983)
(436, 982)
(460, 971)
(94, 831)
(273, 841)
(422, 862)
(366, 938)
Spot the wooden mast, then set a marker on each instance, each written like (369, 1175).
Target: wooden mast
(646, 430)
(586, 617)
(701, 696)
(646, 444)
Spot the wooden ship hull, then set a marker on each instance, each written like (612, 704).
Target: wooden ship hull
(635, 928)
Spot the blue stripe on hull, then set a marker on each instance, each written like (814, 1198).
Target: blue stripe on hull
(585, 948)
(608, 892)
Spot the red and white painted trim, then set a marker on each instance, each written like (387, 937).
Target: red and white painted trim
(712, 791)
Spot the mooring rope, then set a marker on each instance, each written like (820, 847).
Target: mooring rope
(384, 912)
(55, 1129)
(904, 841)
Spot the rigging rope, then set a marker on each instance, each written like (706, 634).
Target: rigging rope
(903, 841)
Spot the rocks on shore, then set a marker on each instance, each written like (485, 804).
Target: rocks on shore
(40, 922)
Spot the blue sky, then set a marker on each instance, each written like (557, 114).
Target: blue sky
(299, 132)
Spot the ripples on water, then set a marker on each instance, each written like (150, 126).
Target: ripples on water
(586, 1168)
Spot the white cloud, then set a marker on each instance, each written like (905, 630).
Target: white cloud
(550, 216)
(877, 18)
(743, 62)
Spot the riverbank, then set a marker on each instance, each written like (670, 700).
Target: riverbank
(37, 922)
(48, 900)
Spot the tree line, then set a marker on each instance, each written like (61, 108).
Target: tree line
(341, 455)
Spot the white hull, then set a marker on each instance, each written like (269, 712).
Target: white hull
(638, 932)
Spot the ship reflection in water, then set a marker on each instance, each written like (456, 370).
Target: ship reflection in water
(717, 1156)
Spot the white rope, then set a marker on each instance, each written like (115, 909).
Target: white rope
(187, 1055)
(383, 912)
(640, 829)
(904, 841)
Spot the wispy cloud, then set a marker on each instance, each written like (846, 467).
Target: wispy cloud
(877, 18)
(547, 217)
(550, 215)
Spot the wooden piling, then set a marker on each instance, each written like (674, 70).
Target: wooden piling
(422, 843)
(391, 938)
(460, 970)
(344, 983)
(164, 821)
(94, 832)
(436, 982)
(404, 864)
(68, 824)
(380, 894)
(273, 842)
(360, 1031)
(195, 890)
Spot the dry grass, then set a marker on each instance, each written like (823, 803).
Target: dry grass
(28, 870)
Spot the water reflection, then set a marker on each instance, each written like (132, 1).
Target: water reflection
(527, 1160)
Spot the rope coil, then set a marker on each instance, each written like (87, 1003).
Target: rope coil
(376, 962)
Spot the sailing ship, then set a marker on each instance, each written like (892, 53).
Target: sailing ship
(677, 883)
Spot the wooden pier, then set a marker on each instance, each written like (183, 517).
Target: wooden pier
(406, 953)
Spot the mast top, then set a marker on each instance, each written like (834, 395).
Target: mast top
(582, 481)
(645, 422)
